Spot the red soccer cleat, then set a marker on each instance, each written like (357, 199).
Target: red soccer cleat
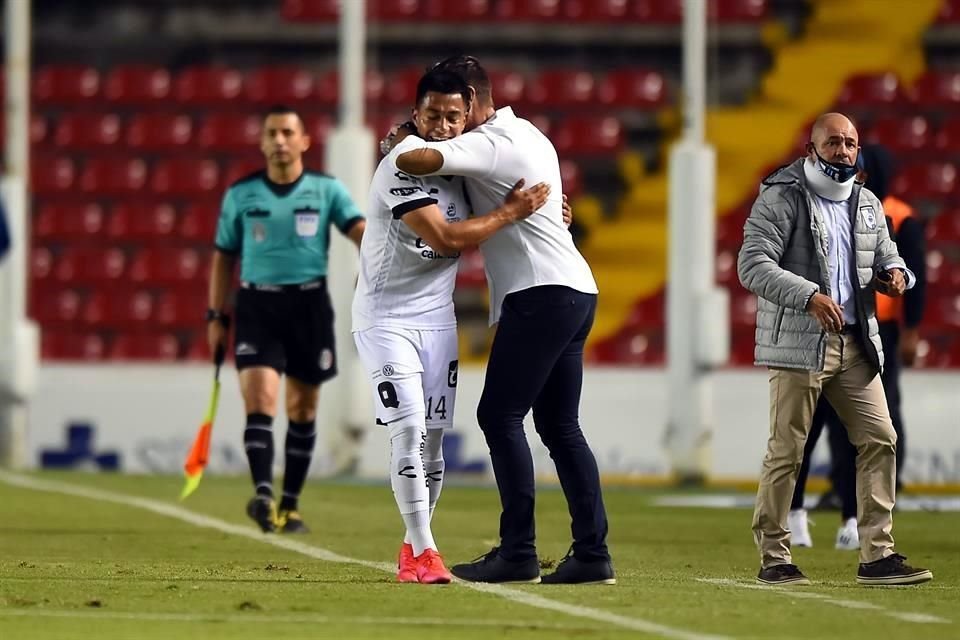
(430, 569)
(407, 564)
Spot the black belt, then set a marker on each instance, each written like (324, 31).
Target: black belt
(850, 329)
(319, 283)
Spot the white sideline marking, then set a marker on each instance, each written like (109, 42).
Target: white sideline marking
(797, 592)
(513, 595)
(291, 618)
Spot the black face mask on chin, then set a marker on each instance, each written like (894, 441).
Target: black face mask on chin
(836, 171)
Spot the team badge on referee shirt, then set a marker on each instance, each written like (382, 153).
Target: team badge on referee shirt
(869, 215)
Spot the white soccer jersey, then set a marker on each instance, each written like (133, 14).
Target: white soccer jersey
(538, 250)
(403, 281)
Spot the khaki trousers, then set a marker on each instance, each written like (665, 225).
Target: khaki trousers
(853, 387)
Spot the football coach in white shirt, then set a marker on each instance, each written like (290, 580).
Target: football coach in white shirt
(543, 295)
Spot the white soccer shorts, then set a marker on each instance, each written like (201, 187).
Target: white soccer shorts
(410, 371)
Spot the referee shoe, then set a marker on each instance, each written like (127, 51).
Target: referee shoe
(263, 511)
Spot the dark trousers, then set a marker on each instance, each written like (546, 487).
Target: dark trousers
(843, 456)
(890, 335)
(537, 362)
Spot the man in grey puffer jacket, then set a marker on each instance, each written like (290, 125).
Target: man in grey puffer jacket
(815, 248)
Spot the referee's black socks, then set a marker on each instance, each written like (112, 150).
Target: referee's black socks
(258, 443)
(298, 452)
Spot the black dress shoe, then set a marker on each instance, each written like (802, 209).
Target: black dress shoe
(492, 567)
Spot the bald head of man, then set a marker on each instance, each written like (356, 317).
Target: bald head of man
(835, 144)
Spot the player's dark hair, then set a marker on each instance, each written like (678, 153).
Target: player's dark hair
(445, 82)
(472, 72)
(283, 110)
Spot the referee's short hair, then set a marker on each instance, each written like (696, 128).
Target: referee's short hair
(473, 73)
(283, 110)
(445, 82)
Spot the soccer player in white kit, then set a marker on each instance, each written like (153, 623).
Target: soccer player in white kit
(404, 324)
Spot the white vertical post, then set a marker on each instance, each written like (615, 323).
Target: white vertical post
(697, 338)
(344, 402)
(18, 336)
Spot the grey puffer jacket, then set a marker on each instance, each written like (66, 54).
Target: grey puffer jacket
(783, 260)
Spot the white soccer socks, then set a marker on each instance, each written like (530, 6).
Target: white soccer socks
(408, 481)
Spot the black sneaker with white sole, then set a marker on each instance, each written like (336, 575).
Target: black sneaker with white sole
(892, 570)
(574, 571)
(782, 575)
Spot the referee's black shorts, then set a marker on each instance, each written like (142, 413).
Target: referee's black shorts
(288, 328)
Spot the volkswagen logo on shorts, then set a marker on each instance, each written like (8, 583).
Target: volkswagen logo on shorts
(387, 370)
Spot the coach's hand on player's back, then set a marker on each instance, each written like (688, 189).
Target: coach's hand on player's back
(521, 203)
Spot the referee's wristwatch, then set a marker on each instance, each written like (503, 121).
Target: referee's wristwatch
(213, 314)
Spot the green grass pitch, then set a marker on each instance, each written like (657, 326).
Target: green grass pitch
(79, 567)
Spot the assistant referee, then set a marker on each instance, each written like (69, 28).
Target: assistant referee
(278, 223)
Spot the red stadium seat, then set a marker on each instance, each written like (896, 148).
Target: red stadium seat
(113, 175)
(944, 228)
(230, 132)
(41, 265)
(87, 130)
(571, 177)
(932, 180)
(597, 10)
(635, 88)
(67, 345)
(738, 10)
(743, 309)
(328, 87)
(123, 309)
(197, 347)
(394, 10)
(51, 174)
(90, 266)
(949, 12)
(658, 11)
(589, 136)
(872, 90)
(942, 274)
(39, 129)
(726, 268)
(177, 309)
(562, 88)
(470, 273)
(65, 84)
(57, 307)
(528, 10)
(648, 313)
(138, 346)
(901, 135)
(460, 11)
(319, 127)
(938, 89)
(947, 140)
(310, 10)
(630, 347)
(208, 86)
(543, 123)
(198, 222)
(185, 176)
(159, 132)
(69, 222)
(401, 89)
(241, 168)
(508, 87)
(280, 85)
(137, 84)
(742, 347)
(166, 266)
(139, 222)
